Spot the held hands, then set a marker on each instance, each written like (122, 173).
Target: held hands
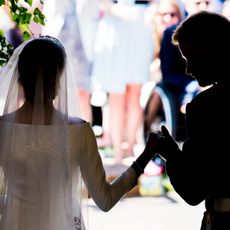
(153, 144)
(160, 143)
(151, 149)
(168, 144)
(157, 143)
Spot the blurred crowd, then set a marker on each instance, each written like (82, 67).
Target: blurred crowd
(121, 52)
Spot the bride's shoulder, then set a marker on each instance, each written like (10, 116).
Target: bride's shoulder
(76, 121)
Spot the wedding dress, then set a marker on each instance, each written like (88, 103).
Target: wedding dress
(43, 165)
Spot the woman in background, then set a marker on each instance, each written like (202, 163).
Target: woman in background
(123, 53)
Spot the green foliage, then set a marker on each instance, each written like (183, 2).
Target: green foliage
(38, 16)
(2, 2)
(6, 49)
(22, 16)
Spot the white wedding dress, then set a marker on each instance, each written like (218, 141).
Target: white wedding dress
(37, 165)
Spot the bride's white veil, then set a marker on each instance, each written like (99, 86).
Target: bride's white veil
(38, 102)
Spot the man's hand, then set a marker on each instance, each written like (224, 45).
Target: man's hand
(168, 144)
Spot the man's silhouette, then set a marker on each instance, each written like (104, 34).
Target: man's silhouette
(200, 171)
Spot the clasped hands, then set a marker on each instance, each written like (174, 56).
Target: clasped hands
(161, 143)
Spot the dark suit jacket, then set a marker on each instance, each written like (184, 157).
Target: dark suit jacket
(202, 169)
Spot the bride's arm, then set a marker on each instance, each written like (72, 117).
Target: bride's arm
(106, 194)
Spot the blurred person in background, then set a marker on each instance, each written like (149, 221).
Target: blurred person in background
(123, 53)
(179, 87)
(70, 21)
(12, 32)
(164, 14)
(168, 14)
(194, 6)
(226, 9)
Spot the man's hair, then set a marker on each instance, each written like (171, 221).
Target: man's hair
(203, 28)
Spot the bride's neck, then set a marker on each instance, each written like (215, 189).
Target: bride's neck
(29, 113)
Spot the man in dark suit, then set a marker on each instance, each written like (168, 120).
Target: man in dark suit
(199, 171)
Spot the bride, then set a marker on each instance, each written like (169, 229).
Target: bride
(46, 149)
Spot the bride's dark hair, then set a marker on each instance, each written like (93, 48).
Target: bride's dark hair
(44, 58)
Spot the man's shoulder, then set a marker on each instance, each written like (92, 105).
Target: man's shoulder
(205, 97)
